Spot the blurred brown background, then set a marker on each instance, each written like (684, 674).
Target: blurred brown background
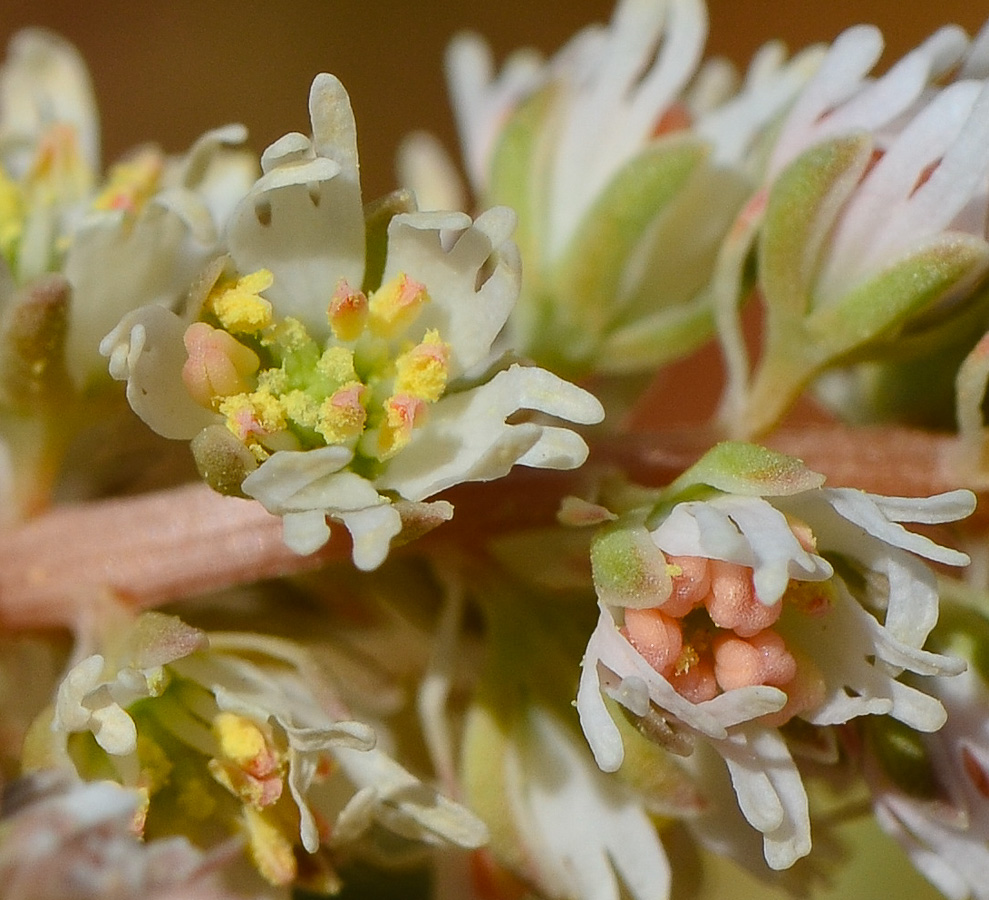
(167, 71)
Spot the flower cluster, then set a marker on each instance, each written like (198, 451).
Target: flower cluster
(596, 680)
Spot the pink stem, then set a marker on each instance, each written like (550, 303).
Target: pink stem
(146, 550)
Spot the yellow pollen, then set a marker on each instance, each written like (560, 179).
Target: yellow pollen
(270, 850)
(239, 305)
(422, 372)
(347, 312)
(342, 416)
(240, 739)
(337, 364)
(395, 305)
(673, 570)
(301, 409)
(255, 414)
(402, 411)
(131, 183)
(687, 660)
(289, 334)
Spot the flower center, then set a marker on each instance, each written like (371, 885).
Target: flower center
(713, 634)
(365, 387)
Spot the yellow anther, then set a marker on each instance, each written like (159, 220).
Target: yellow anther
(342, 416)
(11, 214)
(240, 739)
(270, 850)
(688, 658)
(401, 412)
(239, 305)
(131, 183)
(289, 334)
(395, 305)
(347, 312)
(337, 364)
(423, 371)
(253, 415)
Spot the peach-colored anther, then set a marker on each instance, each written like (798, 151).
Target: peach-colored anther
(762, 659)
(218, 365)
(690, 586)
(656, 636)
(805, 691)
(696, 683)
(733, 603)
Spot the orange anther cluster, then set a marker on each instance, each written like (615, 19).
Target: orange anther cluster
(733, 646)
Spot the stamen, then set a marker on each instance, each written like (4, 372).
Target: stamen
(239, 305)
(733, 603)
(218, 364)
(656, 636)
(691, 584)
(347, 312)
(395, 305)
(763, 659)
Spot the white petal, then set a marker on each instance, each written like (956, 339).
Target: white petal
(304, 220)
(468, 318)
(770, 792)
(372, 530)
(294, 480)
(466, 437)
(147, 351)
(114, 730)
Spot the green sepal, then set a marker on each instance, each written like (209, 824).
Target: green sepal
(668, 335)
(516, 174)
(629, 569)
(800, 212)
(588, 277)
(886, 303)
(736, 467)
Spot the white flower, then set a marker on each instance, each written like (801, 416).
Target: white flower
(348, 400)
(76, 841)
(612, 88)
(931, 791)
(561, 823)
(744, 622)
(242, 716)
(626, 164)
(945, 831)
(872, 212)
